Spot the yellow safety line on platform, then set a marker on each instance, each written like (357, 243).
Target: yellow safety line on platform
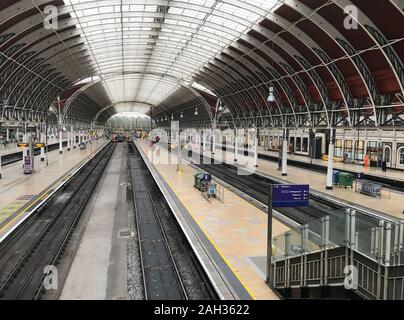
(29, 207)
(214, 244)
(45, 193)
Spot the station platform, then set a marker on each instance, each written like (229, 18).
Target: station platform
(393, 206)
(340, 165)
(236, 229)
(99, 269)
(19, 193)
(13, 148)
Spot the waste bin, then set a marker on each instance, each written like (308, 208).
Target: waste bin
(189, 153)
(345, 179)
(197, 179)
(335, 176)
(201, 177)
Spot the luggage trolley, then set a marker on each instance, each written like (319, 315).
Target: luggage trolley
(203, 182)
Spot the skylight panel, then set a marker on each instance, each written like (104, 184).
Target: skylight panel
(178, 42)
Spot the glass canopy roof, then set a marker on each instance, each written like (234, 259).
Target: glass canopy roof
(145, 50)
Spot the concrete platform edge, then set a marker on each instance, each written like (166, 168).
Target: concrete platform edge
(54, 187)
(208, 257)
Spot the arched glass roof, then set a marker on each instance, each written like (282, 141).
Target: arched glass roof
(135, 45)
(111, 56)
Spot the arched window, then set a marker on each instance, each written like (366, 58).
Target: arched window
(401, 156)
(387, 154)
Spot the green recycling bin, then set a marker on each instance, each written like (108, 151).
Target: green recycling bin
(197, 179)
(345, 179)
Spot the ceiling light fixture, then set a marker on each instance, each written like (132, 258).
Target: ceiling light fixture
(196, 111)
(271, 97)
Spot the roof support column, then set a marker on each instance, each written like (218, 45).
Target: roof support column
(285, 153)
(204, 140)
(330, 166)
(0, 166)
(236, 141)
(69, 140)
(255, 147)
(60, 140)
(73, 137)
(213, 146)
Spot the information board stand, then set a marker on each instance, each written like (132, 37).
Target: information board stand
(281, 196)
(27, 165)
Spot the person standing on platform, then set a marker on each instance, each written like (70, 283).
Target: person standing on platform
(366, 160)
(384, 166)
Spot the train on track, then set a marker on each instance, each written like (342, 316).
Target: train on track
(119, 137)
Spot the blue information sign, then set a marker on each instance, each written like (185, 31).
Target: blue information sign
(290, 195)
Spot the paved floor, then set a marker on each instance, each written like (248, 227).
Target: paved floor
(99, 269)
(19, 192)
(237, 229)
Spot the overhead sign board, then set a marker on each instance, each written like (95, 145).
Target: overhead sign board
(22, 145)
(290, 195)
(39, 145)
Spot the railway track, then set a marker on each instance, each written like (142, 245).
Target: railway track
(169, 267)
(257, 187)
(41, 240)
(393, 184)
